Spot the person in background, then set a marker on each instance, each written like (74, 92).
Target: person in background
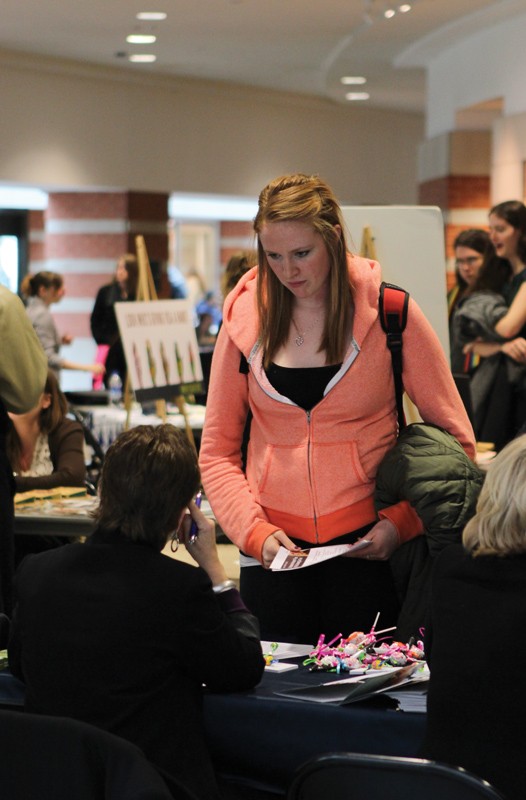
(507, 403)
(470, 247)
(23, 368)
(42, 290)
(476, 712)
(209, 319)
(176, 279)
(316, 376)
(237, 265)
(104, 326)
(140, 632)
(45, 448)
(475, 316)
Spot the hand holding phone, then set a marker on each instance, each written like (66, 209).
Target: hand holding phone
(194, 530)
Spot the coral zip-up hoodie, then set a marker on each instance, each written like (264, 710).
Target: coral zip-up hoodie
(311, 473)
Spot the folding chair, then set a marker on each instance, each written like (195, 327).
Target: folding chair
(346, 776)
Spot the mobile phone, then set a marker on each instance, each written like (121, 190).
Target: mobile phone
(194, 530)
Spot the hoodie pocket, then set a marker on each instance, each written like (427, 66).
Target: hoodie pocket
(339, 478)
(283, 482)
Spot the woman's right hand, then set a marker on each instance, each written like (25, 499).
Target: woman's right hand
(272, 544)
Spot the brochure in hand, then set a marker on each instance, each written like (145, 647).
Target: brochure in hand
(287, 559)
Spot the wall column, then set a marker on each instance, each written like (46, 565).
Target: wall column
(454, 174)
(85, 233)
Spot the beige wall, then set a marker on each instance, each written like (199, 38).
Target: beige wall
(68, 125)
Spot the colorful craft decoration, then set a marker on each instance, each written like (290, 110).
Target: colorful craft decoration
(362, 651)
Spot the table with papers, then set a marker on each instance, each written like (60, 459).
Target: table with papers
(55, 515)
(262, 737)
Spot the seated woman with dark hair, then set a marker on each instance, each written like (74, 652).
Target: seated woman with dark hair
(45, 448)
(115, 633)
(474, 639)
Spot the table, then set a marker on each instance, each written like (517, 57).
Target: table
(262, 739)
(67, 517)
(258, 740)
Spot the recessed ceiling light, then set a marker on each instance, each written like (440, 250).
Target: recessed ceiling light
(151, 15)
(353, 80)
(389, 13)
(143, 58)
(404, 8)
(141, 38)
(357, 96)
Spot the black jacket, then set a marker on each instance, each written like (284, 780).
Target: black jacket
(476, 650)
(118, 635)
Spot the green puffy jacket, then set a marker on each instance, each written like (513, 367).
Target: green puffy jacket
(428, 468)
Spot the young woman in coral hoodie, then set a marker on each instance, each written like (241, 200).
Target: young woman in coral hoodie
(302, 349)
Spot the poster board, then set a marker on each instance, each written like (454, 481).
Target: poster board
(160, 347)
(409, 244)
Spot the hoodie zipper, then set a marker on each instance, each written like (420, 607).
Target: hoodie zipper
(314, 515)
(286, 401)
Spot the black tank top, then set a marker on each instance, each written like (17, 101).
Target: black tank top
(303, 385)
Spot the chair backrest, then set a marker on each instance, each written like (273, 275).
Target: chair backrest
(54, 758)
(346, 776)
(93, 451)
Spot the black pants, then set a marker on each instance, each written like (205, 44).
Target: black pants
(338, 596)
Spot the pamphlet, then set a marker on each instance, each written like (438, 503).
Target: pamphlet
(287, 560)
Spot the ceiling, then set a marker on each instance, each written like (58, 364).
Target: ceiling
(300, 46)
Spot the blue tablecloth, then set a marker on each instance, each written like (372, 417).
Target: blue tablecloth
(264, 738)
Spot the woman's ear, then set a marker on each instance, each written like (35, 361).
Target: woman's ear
(45, 400)
(181, 517)
(338, 229)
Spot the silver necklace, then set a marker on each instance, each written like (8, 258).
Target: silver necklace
(300, 338)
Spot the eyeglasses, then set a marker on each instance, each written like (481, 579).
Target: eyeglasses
(470, 261)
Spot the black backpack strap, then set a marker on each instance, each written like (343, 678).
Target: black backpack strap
(393, 303)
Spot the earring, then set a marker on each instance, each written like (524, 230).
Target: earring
(174, 542)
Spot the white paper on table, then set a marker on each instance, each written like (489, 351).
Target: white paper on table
(286, 560)
(286, 649)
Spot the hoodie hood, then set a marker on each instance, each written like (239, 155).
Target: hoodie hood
(240, 317)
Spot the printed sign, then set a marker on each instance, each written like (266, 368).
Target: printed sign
(160, 347)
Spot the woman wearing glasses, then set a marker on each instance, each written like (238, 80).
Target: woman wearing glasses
(470, 247)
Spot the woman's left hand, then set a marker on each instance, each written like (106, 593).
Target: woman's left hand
(384, 541)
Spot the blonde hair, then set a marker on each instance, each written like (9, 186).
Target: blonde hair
(307, 199)
(499, 525)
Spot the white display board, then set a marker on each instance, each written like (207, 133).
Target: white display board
(409, 244)
(160, 347)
